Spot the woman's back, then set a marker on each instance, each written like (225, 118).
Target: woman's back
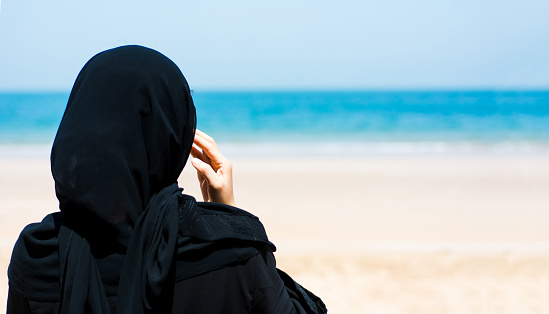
(127, 240)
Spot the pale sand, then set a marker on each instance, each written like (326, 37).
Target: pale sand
(414, 234)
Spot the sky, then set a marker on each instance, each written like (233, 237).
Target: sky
(283, 44)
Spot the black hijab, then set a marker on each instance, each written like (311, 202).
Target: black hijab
(126, 134)
(125, 229)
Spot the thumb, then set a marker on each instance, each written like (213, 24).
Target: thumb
(204, 169)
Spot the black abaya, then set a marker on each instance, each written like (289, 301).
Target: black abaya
(127, 240)
(252, 286)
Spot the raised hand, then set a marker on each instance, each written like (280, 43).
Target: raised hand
(215, 172)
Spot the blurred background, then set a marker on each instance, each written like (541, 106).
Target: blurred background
(411, 139)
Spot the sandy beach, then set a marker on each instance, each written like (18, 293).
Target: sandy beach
(371, 234)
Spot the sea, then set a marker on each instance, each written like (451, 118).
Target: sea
(328, 123)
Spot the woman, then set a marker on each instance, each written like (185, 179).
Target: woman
(127, 240)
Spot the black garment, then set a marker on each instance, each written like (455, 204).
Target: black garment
(125, 231)
(224, 265)
(222, 250)
(125, 136)
(251, 286)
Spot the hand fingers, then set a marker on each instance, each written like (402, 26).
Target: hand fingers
(206, 170)
(213, 169)
(205, 136)
(207, 159)
(211, 155)
(206, 144)
(203, 187)
(210, 151)
(196, 153)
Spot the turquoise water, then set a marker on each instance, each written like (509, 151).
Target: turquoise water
(473, 117)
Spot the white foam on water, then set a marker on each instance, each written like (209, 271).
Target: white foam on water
(383, 148)
(328, 149)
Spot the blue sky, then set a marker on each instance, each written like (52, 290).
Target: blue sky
(284, 44)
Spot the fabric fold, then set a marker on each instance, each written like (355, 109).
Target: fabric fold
(150, 255)
(78, 269)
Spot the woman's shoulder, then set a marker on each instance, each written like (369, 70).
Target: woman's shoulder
(214, 221)
(213, 235)
(213, 208)
(34, 264)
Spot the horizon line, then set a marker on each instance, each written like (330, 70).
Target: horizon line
(311, 89)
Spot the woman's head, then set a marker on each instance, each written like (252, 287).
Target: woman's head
(126, 133)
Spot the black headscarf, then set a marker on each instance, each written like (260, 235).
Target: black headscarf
(125, 229)
(126, 134)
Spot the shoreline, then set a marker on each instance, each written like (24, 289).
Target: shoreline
(330, 149)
